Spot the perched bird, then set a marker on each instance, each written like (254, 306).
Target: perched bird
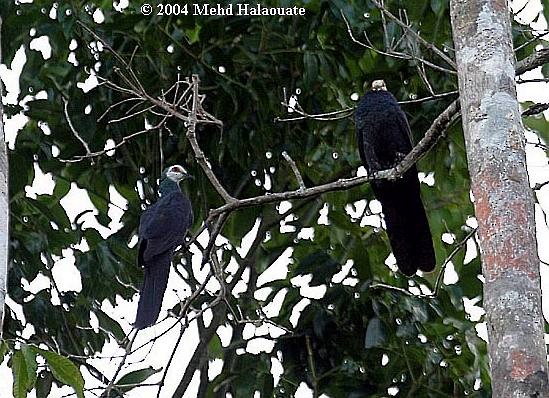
(384, 139)
(162, 229)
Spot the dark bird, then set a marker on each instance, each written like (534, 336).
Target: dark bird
(384, 139)
(162, 229)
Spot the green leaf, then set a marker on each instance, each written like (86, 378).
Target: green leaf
(193, 35)
(109, 324)
(30, 360)
(539, 124)
(265, 59)
(130, 380)
(215, 350)
(310, 64)
(64, 370)
(23, 368)
(4, 348)
(43, 384)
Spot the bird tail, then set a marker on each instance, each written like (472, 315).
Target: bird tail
(152, 292)
(407, 225)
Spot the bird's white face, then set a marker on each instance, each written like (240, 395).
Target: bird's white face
(378, 85)
(177, 173)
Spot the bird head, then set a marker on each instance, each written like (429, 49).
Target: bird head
(176, 173)
(379, 85)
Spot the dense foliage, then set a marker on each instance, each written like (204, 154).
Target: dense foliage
(360, 338)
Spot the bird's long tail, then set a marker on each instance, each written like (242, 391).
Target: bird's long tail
(406, 222)
(152, 292)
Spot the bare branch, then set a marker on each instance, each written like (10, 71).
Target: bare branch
(440, 276)
(347, 112)
(455, 251)
(392, 53)
(198, 154)
(429, 98)
(432, 135)
(117, 145)
(111, 107)
(379, 285)
(71, 126)
(416, 35)
(540, 80)
(136, 113)
(327, 116)
(312, 366)
(540, 185)
(539, 58)
(294, 169)
(535, 109)
(110, 386)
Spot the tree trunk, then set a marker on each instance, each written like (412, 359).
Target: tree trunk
(503, 200)
(4, 206)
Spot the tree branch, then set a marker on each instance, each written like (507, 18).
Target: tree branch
(538, 58)
(439, 126)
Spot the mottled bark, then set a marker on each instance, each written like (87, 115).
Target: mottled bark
(503, 200)
(4, 206)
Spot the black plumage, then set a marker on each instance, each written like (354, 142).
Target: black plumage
(384, 139)
(162, 229)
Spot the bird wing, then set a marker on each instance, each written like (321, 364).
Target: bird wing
(404, 127)
(163, 226)
(383, 133)
(366, 126)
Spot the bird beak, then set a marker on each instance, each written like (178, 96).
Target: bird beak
(189, 177)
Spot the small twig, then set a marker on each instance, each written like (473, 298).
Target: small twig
(526, 4)
(429, 98)
(327, 116)
(385, 31)
(199, 155)
(535, 109)
(121, 119)
(311, 360)
(540, 185)
(539, 145)
(109, 387)
(214, 232)
(423, 75)
(440, 275)
(239, 318)
(172, 356)
(347, 112)
(115, 54)
(117, 145)
(538, 58)
(161, 149)
(392, 53)
(424, 42)
(531, 40)
(379, 285)
(297, 174)
(71, 126)
(456, 250)
(540, 80)
(111, 107)
(116, 87)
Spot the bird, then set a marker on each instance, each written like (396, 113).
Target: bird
(384, 139)
(162, 228)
